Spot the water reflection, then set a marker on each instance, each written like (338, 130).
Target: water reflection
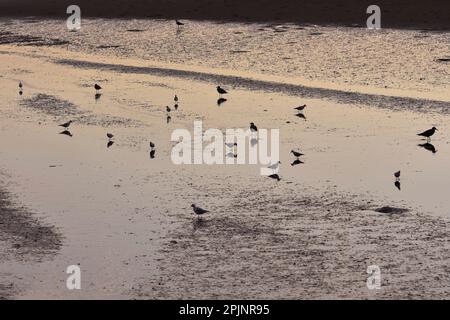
(301, 115)
(109, 144)
(296, 162)
(220, 101)
(152, 154)
(428, 146)
(97, 96)
(397, 184)
(66, 133)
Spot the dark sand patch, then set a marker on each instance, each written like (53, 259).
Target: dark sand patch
(62, 110)
(7, 37)
(284, 244)
(345, 97)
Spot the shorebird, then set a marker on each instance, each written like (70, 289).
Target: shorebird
(66, 125)
(198, 210)
(168, 109)
(175, 98)
(296, 154)
(428, 133)
(274, 166)
(397, 175)
(97, 87)
(275, 176)
(152, 145)
(300, 108)
(221, 91)
(231, 144)
(179, 23)
(253, 127)
(110, 136)
(20, 85)
(175, 106)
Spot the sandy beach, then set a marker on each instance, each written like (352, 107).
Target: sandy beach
(124, 216)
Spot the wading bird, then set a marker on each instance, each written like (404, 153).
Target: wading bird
(428, 133)
(221, 91)
(300, 108)
(97, 87)
(296, 154)
(198, 210)
(66, 125)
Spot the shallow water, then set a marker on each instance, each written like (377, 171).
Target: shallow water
(126, 218)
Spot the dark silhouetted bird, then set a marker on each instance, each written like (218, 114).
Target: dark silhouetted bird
(428, 133)
(300, 108)
(175, 98)
(66, 125)
(152, 145)
(176, 106)
(110, 136)
(179, 23)
(20, 85)
(97, 87)
(296, 154)
(168, 109)
(221, 91)
(198, 210)
(275, 176)
(253, 127)
(397, 175)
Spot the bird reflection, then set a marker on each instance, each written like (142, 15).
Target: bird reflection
(198, 223)
(253, 142)
(301, 115)
(66, 133)
(397, 184)
(428, 146)
(220, 101)
(152, 154)
(110, 143)
(97, 96)
(169, 118)
(296, 162)
(176, 106)
(20, 92)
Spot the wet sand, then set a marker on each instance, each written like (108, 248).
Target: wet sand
(125, 218)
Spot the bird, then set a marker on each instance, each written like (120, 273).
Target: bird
(253, 127)
(296, 154)
(274, 166)
(275, 176)
(20, 85)
(300, 108)
(221, 91)
(110, 136)
(152, 145)
(198, 210)
(428, 133)
(97, 87)
(175, 98)
(66, 124)
(397, 175)
(179, 23)
(175, 106)
(231, 144)
(168, 109)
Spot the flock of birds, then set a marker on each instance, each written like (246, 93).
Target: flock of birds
(253, 128)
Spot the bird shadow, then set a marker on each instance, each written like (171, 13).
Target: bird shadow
(199, 223)
(428, 146)
(109, 144)
(66, 133)
(168, 119)
(97, 96)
